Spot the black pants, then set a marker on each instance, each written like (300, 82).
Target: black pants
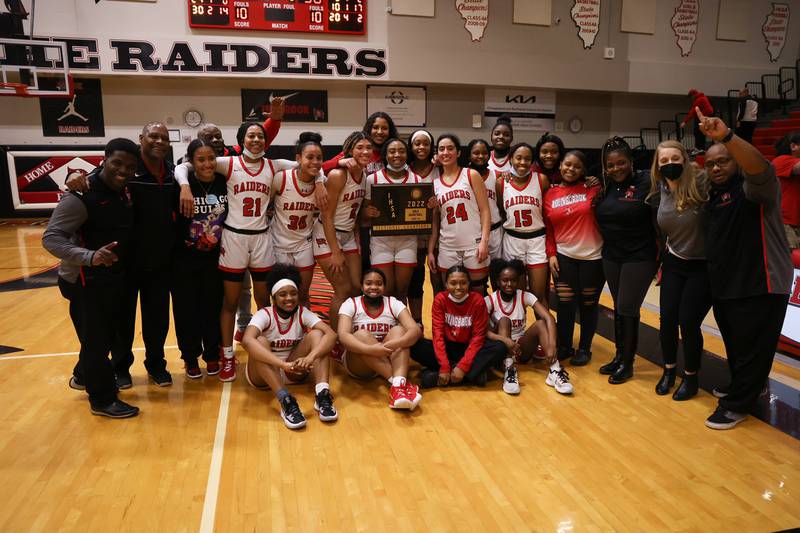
(628, 283)
(363, 241)
(685, 302)
(74, 294)
(699, 136)
(196, 306)
(584, 280)
(104, 318)
(750, 328)
(152, 288)
(746, 130)
(415, 287)
(491, 353)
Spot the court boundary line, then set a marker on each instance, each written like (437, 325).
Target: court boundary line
(62, 354)
(215, 470)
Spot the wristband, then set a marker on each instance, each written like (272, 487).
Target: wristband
(727, 137)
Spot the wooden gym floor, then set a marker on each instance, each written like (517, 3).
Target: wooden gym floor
(207, 456)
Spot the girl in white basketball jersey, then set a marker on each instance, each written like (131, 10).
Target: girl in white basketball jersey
(335, 234)
(461, 220)
(478, 151)
(395, 255)
(378, 332)
(295, 210)
(245, 239)
(508, 323)
(502, 137)
(285, 343)
(421, 163)
(520, 201)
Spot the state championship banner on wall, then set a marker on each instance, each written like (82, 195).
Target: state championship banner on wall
(299, 105)
(529, 110)
(82, 116)
(38, 178)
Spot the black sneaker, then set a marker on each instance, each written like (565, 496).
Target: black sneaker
(118, 409)
(724, 419)
(565, 353)
(162, 378)
(428, 379)
(324, 404)
(291, 413)
(481, 379)
(721, 391)
(124, 381)
(581, 358)
(76, 383)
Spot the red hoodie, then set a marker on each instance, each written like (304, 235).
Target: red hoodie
(465, 323)
(698, 100)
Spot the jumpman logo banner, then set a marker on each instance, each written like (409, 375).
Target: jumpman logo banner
(79, 116)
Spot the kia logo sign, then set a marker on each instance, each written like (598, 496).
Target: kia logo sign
(520, 99)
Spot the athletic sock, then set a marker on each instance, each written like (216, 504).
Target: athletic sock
(398, 381)
(227, 352)
(508, 362)
(281, 394)
(321, 386)
(556, 366)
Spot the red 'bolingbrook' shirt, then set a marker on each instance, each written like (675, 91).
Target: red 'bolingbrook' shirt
(464, 322)
(790, 188)
(570, 222)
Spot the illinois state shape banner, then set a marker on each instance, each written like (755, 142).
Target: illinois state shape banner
(684, 25)
(774, 30)
(476, 16)
(586, 15)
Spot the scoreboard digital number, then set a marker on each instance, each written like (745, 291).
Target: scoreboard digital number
(314, 16)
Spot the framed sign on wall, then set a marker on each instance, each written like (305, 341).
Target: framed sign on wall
(406, 104)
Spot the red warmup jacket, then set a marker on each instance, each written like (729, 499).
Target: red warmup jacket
(790, 188)
(465, 323)
(699, 100)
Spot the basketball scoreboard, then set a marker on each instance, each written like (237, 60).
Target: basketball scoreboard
(314, 16)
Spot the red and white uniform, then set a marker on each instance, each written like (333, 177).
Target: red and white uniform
(500, 164)
(293, 222)
(284, 334)
(525, 235)
(432, 175)
(344, 219)
(245, 240)
(378, 324)
(515, 311)
(460, 223)
(571, 225)
(394, 250)
(496, 235)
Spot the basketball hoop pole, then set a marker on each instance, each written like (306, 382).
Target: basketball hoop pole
(33, 16)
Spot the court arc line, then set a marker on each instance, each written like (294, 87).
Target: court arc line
(62, 354)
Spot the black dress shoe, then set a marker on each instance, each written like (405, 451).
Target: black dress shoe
(687, 389)
(611, 366)
(623, 373)
(581, 358)
(565, 353)
(118, 409)
(162, 378)
(666, 382)
(76, 383)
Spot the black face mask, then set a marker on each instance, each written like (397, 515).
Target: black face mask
(480, 168)
(671, 171)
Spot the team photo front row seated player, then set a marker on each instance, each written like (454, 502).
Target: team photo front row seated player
(91, 232)
(460, 350)
(508, 307)
(377, 332)
(285, 343)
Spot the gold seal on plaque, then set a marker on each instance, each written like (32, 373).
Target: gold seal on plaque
(416, 193)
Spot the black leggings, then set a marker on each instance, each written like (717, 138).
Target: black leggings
(196, 305)
(685, 301)
(492, 352)
(578, 282)
(628, 283)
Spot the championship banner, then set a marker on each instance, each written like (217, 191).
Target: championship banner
(529, 110)
(299, 105)
(80, 117)
(38, 178)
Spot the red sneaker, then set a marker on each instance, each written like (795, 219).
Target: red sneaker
(238, 335)
(337, 353)
(399, 398)
(212, 368)
(539, 353)
(228, 372)
(413, 394)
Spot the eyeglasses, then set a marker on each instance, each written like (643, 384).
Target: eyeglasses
(720, 162)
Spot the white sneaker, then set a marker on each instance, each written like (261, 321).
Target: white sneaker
(559, 379)
(511, 381)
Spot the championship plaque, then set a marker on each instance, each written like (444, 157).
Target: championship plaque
(404, 209)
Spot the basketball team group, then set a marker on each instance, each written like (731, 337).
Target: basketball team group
(510, 222)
